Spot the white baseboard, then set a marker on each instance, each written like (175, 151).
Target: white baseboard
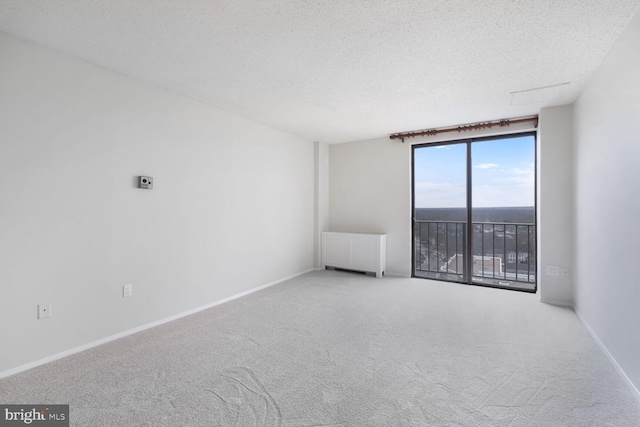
(386, 274)
(557, 303)
(618, 368)
(141, 328)
(397, 275)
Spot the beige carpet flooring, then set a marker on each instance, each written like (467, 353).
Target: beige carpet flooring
(338, 349)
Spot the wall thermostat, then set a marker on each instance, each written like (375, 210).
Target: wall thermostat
(145, 182)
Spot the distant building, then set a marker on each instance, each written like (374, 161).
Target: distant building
(522, 257)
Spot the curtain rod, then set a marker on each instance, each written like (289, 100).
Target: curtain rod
(464, 128)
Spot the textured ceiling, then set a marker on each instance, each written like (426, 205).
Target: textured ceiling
(340, 70)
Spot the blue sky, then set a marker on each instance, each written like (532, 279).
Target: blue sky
(503, 174)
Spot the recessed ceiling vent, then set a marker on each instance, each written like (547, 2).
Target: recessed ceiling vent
(539, 95)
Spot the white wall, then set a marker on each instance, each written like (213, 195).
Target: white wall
(607, 203)
(555, 207)
(232, 207)
(321, 220)
(370, 192)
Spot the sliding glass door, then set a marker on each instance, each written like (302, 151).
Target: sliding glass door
(474, 211)
(440, 211)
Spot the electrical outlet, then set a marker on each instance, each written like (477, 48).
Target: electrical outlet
(564, 272)
(553, 270)
(44, 310)
(127, 290)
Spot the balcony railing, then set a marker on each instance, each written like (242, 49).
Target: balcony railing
(503, 254)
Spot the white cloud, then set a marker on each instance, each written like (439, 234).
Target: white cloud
(440, 194)
(509, 195)
(496, 187)
(486, 166)
(524, 181)
(519, 171)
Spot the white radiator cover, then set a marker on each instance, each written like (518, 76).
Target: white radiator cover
(355, 251)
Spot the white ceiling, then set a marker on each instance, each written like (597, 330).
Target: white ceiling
(340, 70)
